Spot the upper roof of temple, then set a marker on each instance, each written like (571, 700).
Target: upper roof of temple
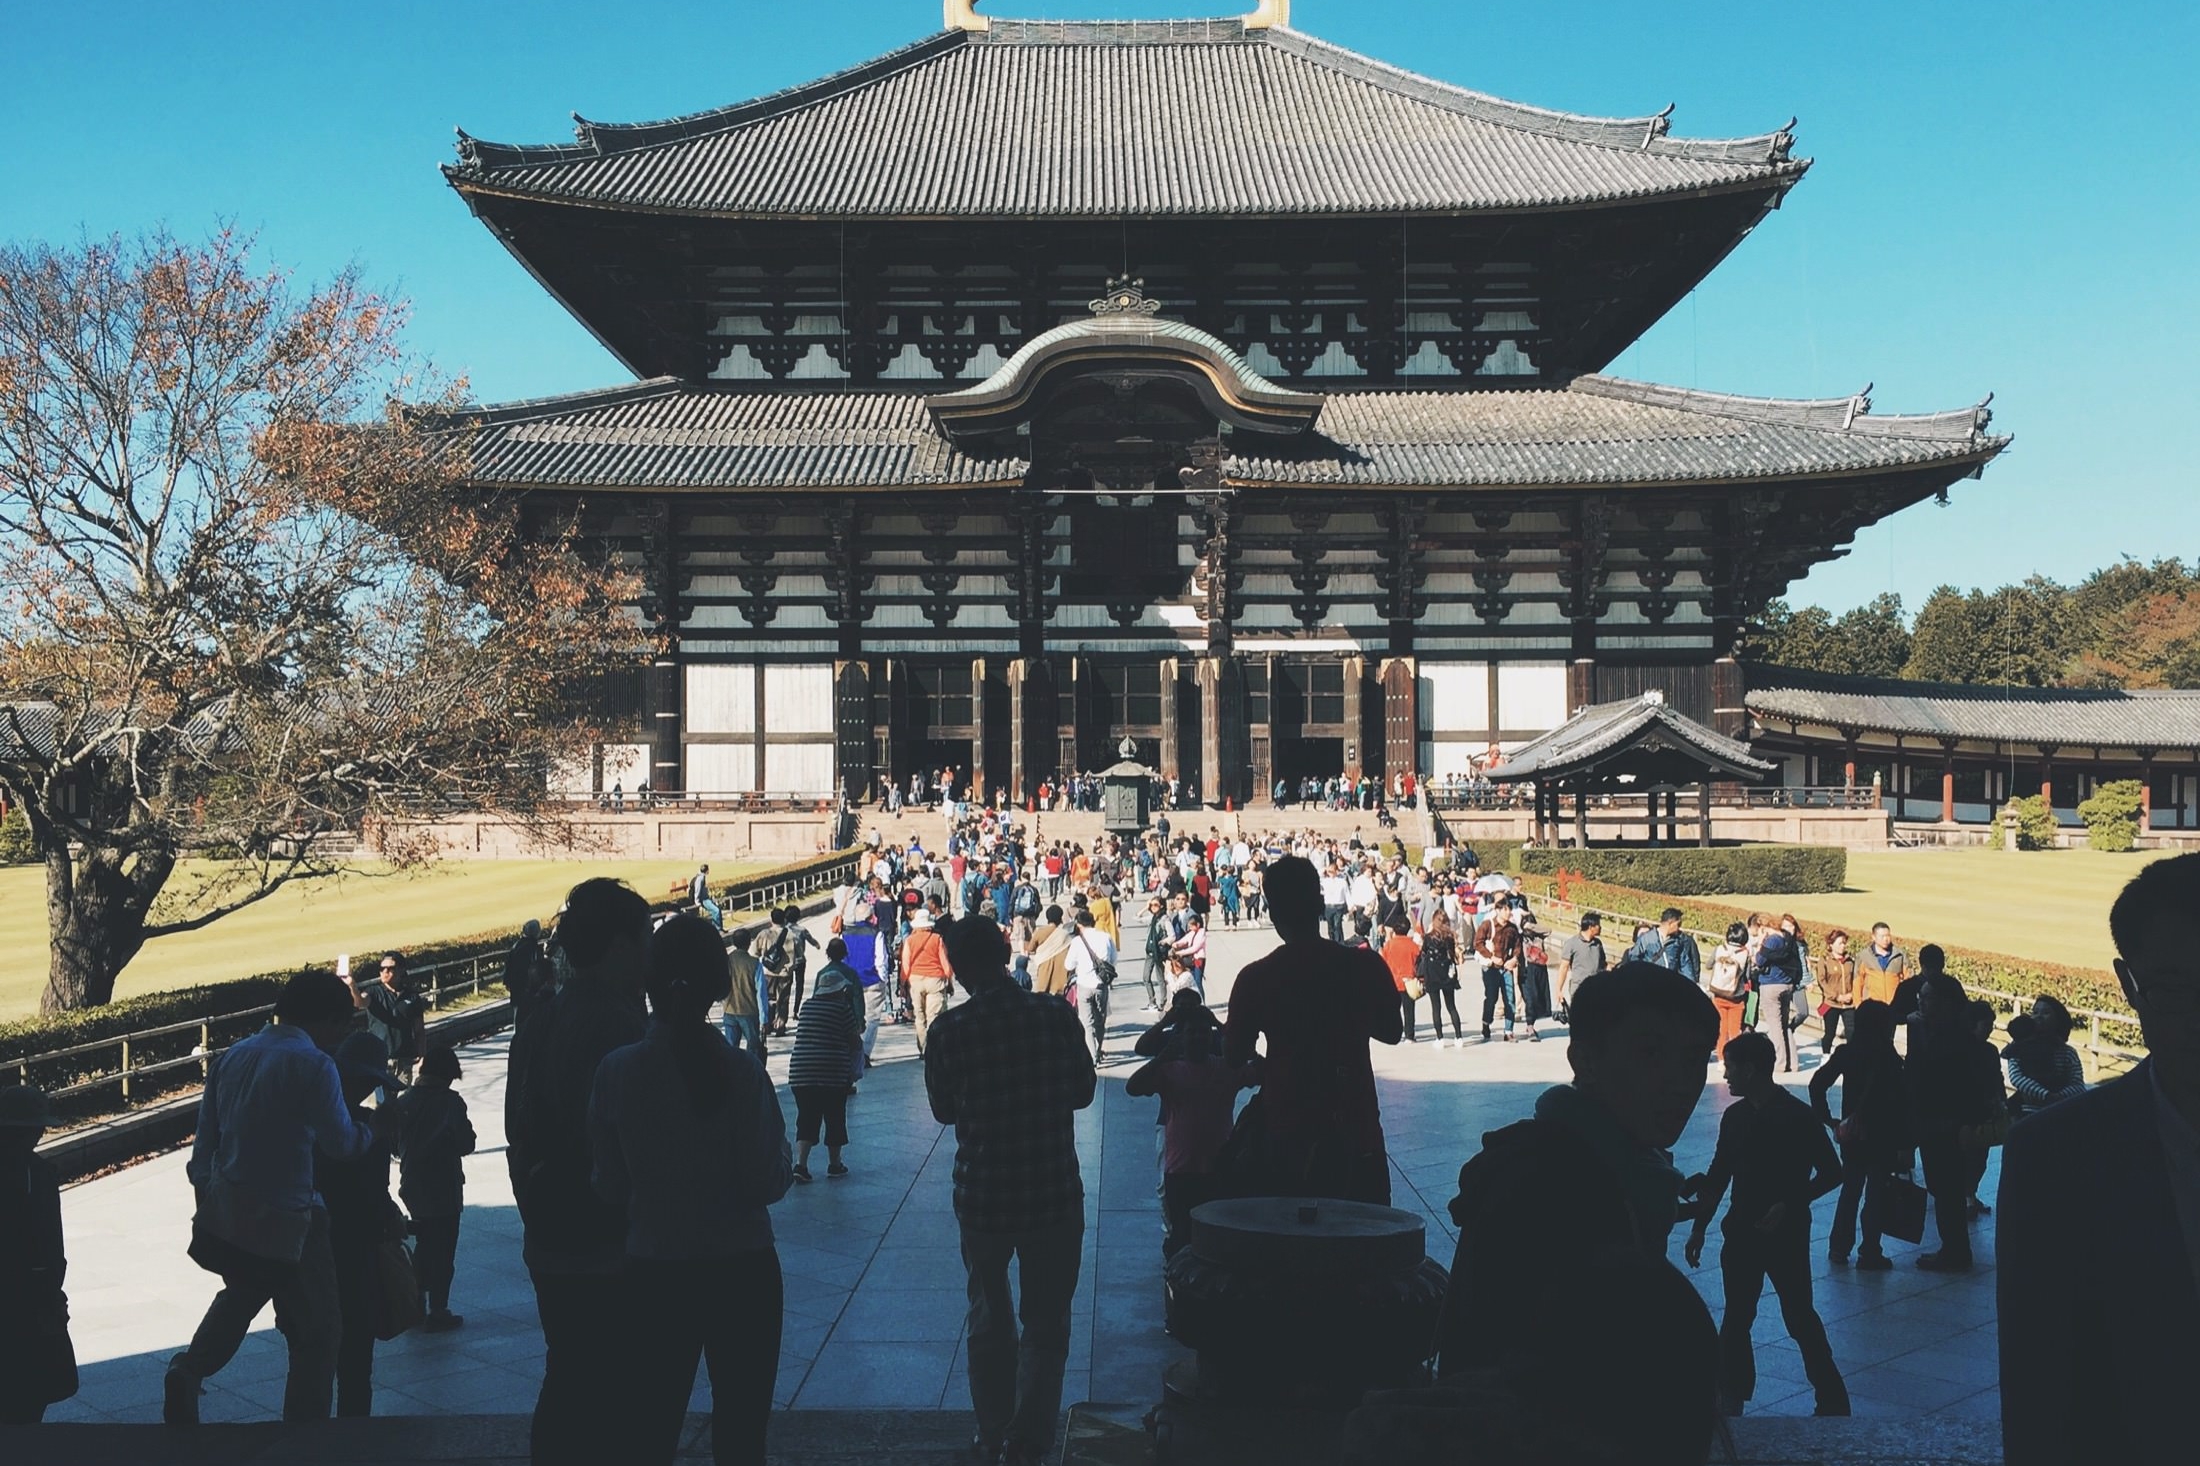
(1106, 119)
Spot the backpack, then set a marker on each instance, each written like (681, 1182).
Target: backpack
(1025, 902)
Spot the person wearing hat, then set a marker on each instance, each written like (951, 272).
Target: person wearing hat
(270, 1105)
(434, 1135)
(37, 1362)
(924, 959)
(361, 1217)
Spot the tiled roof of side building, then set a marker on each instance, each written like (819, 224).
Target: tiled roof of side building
(1039, 119)
(2026, 716)
(667, 434)
(1596, 733)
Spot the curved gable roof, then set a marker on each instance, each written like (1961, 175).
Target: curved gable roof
(1102, 119)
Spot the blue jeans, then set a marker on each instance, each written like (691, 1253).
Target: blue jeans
(711, 913)
(740, 1027)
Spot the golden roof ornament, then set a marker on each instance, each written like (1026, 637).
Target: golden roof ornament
(1272, 15)
(1126, 297)
(962, 15)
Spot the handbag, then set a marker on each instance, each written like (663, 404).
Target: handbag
(397, 1301)
(1416, 989)
(1902, 1207)
(1749, 1010)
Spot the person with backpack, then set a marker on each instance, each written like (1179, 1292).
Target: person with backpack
(434, 1135)
(1728, 983)
(784, 961)
(1091, 962)
(1779, 975)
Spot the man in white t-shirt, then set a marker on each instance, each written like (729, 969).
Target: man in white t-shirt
(1088, 948)
(1336, 895)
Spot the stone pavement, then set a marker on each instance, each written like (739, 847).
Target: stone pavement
(874, 1288)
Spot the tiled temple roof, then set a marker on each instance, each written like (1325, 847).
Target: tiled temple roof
(669, 435)
(2030, 716)
(1089, 119)
(1602, 732)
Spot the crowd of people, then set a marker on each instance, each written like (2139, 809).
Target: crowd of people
(646, 1142)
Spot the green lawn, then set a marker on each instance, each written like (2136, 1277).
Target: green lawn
(313, 922)
(2050, 905)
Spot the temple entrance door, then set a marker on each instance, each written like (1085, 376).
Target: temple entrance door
(1307, 758)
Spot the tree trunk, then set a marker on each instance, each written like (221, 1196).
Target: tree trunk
(95, 911)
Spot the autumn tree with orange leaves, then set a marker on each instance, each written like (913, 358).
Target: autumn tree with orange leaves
(245, 598)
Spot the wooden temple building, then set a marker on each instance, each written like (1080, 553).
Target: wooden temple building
(1041, 384)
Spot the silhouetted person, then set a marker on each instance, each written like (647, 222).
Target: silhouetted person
(434, 1136)
(2091, 1371)
(1873, 1131)
(1009, 1070)
(1779, 1160)
(1615, 1327)
(1318, 1005)
(690, 1143)
(1954, 1084)
(1593, 1168)
(575, 1241)
(271, 1104)
(37, 1362)
(361, 1217)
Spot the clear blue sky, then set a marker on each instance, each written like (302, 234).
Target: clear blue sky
(2004, 198)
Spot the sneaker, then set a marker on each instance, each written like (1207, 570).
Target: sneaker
(1874, 1262)
(802, 1173)
(835, 1171)
(1485, 1033)
(1535, 1035)
(179, 1395)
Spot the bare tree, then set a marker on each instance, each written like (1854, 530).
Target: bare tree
(247, 600)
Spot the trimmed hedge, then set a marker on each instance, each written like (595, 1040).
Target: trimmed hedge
(1774, 869)
(2079, 988)
(2112, 816)
(2037, 827)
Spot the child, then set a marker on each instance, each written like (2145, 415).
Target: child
(1198, 1093)
(37, 1362)
(433, 1135)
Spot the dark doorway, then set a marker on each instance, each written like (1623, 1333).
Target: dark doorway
(1308, 758)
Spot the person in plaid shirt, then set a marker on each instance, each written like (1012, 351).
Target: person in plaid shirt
(1009, 1070)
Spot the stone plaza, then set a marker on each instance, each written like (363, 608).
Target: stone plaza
(874, 1315)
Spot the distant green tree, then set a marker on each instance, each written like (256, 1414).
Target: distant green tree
(2019, 635)
(1868, 641)
(2112, 816)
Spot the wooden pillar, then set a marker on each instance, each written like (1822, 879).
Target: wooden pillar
(1170, 767)
(1729, 717)
(662, 702)
(1581, 817)
(1355, 678)
(1222, 753)
(1673, 816)
(1070, 696)
(1901, 776)
(1703, 814)
(977, 731)
(1019, 771)
(762, 745)
(2146, 791)
(2047, 776)
(1848, 765)
(1947, 782)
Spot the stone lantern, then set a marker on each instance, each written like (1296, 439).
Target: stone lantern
(1126, 794)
